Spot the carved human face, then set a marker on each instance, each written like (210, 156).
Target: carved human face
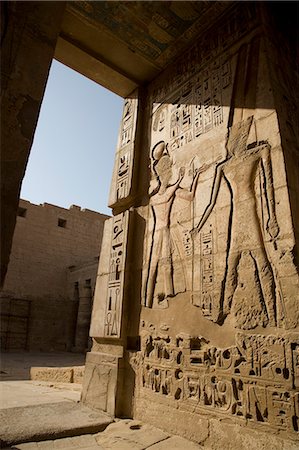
(164, 169)
(158, 151)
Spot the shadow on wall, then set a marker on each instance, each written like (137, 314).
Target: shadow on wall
(37, 324)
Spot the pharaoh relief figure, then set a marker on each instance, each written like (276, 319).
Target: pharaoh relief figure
(249, 289)
(162, 194)
(161, 200)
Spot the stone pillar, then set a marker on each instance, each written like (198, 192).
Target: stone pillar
(107, 363)
(83, 317)
(29, 32)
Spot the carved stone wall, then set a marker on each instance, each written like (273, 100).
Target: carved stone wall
(218, 287)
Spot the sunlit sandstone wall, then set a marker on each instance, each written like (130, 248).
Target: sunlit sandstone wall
(47, 240)
(202, 268)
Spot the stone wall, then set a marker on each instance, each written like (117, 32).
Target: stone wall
(47, 241)
(196, 313)
(81, 285)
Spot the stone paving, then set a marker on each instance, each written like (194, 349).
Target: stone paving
(27, 408)
(27, 393)
(121, 435)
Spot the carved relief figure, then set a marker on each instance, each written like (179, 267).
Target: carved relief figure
(248, 267)
(162, 196)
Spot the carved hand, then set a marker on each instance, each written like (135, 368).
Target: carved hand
(199, 170)
(181, 172)
(194, 232)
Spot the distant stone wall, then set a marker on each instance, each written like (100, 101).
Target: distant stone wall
(48, 241)
(81, 284)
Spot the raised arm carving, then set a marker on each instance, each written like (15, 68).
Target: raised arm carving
(272, 225)
(215, 190)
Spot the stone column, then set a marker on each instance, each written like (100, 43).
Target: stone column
(83, 317)
(106, 371)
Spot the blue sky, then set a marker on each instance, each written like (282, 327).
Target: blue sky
(72, 156)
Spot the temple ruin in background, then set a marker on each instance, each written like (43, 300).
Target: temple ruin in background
(51, 278)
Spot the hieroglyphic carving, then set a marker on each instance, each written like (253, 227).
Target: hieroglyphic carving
(268, 357)
(187, 243)
(195, 109)
(126, 132)
(207, 274)
(115, 288)
(205, 293)
(253, 380)
(123, 174)
(123, 166)
(212, 43)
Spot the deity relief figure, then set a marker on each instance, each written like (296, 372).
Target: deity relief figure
(248, 231)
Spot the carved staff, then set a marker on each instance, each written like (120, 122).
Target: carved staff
(192, 244)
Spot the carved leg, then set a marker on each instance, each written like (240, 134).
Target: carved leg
(267, 285)
(153, 268)
(230, 281)
(167, 264)
(151, 283)
(168, 278)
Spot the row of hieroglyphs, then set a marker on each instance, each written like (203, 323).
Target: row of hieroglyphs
(195, 108)
(216, 41)
(257, 379)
